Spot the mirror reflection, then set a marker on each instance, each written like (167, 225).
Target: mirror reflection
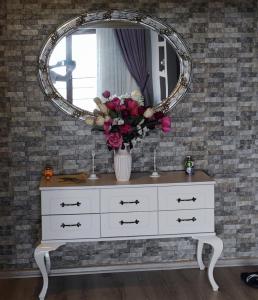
(121, 59)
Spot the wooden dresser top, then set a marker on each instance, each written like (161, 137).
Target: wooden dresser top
(81, 180)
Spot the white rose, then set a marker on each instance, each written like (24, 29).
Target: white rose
(103, 108)
(148, 113)
(115, 121)
(97, 100)
(136, 94)
(120, 122)
(100, 121)
(89, 120)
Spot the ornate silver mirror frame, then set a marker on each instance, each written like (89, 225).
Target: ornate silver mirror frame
(106, 16)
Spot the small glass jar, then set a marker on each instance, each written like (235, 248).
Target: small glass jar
(48, 172)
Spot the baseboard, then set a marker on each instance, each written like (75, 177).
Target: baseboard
(130, 268)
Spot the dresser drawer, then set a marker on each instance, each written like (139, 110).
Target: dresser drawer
(129, 199)
(69, 202)
(129, 224)
(186, 197)
(186, 221)
(70, 227)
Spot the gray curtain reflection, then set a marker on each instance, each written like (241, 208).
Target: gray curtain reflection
(133, 44)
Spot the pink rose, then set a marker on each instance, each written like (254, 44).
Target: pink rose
(106, 126)
(134, 112)
(166, 124)
(141, 110)
(110, 105)
(106, 94)
(158, 115)
(122, 107)
(114, 140)
(116, 101)
(131, 104)
(114, 104)
(126, 128)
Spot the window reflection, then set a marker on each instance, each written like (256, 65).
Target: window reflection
(73, 69)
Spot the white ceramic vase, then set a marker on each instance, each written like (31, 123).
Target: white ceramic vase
(122, 164)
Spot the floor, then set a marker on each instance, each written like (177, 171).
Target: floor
(186, 284)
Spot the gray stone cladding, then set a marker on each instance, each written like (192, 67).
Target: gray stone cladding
(216, 123)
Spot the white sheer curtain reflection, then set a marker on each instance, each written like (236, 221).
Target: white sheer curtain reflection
(112, 72)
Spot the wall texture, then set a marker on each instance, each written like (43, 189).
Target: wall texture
(216, 123)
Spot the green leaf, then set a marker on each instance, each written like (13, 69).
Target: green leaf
(137, 120)
(114, 128)
(113, 114)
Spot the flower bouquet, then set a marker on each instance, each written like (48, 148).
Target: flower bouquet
(125, 121)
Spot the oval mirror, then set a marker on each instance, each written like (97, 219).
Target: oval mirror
(121, 51)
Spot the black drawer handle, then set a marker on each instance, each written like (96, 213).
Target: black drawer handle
(181, 200)
(129, 202)
(132, 222)
(185, 220)
(70, 204)
(63, 225)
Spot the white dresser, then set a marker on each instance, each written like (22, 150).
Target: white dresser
(174, 205)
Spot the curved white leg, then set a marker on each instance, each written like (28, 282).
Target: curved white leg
(199, 255)
(47, 262)
(40, 260)
(217, 247)
(41, 255)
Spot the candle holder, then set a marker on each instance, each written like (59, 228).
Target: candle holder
(154, 174)
(48, 172)
(93, 176)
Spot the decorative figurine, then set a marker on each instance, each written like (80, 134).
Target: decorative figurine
(189, 165)
(154, 173)
(93, 176)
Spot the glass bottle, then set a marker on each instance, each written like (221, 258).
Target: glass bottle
(189, 165)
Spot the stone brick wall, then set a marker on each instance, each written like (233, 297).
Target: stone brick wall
(216, 123)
